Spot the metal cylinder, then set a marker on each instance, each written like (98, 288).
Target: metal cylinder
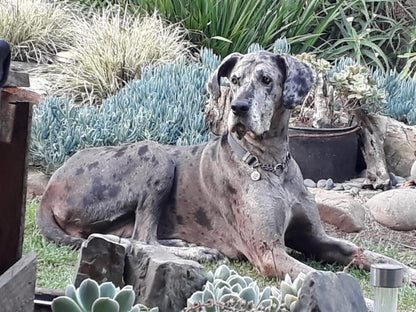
(386, 275)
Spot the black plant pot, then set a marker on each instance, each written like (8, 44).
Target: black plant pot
(327, 152)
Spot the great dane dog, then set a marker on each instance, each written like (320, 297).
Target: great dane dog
(241, 193)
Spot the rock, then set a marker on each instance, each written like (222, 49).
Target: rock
(413, 172)
(102, 258)
(400, 180)
(329, 184)
(328, 292)
(399, 144)
(36, 184)
(349, 185)
(309, 183)
(321, 183)
(338, 187)
(393, 179)
(340, 209)
(162, 279)
(395, 209)
(354, 191)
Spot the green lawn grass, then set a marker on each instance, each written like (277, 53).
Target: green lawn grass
(56, 264)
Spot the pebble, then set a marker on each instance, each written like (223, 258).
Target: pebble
(321, 183)
(396, 180)
(338, 187)
(329, 184)
(393, 179)
(309, 183)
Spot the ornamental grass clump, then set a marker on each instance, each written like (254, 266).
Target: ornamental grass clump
(36, 29)
(111, 48)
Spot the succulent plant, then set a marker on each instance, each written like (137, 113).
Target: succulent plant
(281, 46)
(356, 83)
(165, 105)
(226, 290)
(289, 292)
(91, 297)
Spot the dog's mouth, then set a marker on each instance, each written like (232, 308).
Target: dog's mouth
(240, 129)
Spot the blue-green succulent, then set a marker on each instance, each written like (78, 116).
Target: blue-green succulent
(91, 297)
(226, 290)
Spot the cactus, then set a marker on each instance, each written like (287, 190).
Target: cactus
(91, 297)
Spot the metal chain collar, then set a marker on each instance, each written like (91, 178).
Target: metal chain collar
(254, 162)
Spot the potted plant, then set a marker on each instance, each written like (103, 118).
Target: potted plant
(332, 133)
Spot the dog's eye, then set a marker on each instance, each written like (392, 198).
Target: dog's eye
(234, 80)
(266, 80)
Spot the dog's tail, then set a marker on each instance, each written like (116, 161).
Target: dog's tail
(51, 229)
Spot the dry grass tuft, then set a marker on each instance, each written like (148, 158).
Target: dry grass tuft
(36, 29)
(111, 48)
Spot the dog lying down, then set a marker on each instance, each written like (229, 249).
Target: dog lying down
(241, 193)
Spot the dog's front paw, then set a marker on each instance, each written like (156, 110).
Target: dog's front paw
(198, 253)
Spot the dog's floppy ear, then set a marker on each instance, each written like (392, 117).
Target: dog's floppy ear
(224, 70)
(298, 80)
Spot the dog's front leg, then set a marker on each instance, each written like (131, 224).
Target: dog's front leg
(274, 261)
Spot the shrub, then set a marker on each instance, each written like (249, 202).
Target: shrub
(233, 25)
(370, 32)
(110, 49)
(164, 105)
(36, 29)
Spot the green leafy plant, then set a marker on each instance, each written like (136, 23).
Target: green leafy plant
(111, 48)
(233, 25)
(368, 32)
(91, 297)
(36, 29)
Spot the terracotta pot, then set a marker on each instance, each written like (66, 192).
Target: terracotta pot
(327, 152)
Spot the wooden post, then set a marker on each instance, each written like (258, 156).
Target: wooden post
(15, 124)
(17, 285)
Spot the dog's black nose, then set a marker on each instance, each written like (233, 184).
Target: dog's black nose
(240, 108)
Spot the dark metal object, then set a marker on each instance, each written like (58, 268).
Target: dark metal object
(327, 153)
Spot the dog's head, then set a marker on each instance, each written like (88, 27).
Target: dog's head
(260, 84)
